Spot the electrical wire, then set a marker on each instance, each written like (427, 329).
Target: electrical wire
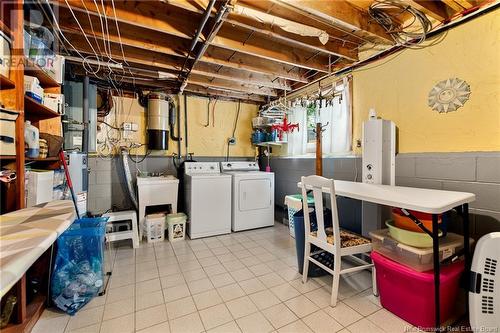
(111, 126)
(148, 152)
(410, 35)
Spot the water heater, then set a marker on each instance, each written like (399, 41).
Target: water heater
(378, 165)
(379, 151)
(158, 120)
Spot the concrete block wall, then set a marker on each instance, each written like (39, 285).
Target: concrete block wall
(478, 173)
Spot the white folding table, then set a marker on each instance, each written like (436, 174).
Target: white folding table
(418, 199)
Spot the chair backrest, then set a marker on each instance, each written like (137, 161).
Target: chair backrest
(320, 185)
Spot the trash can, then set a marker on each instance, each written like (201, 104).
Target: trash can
(298, 219)
(176, 226)
(294, 204)
(78, 270)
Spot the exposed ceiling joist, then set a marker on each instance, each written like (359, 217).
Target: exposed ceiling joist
(247, 43)
(435, 9)
(175, 47)
(156, 62)
(231, 86)
(148, 83)
(335, 14)
(208, 91)
(339, 12)
(311, 43)
(145, 17)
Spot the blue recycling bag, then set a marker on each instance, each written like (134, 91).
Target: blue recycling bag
(78, 270)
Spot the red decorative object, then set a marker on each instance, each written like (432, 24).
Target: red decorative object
(286, 127)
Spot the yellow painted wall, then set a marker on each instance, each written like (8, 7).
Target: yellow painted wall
(397, 87)
(203, 141)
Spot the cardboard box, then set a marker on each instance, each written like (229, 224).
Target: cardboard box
(8, 132)
(55, 102)
(33, 89)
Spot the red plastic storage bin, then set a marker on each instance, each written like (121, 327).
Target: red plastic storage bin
(410, 294)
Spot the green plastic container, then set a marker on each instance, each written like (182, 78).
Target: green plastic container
(412, 238)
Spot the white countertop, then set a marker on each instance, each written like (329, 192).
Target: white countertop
(26, 234)
(419, 199)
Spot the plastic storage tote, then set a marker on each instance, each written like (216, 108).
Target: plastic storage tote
(154, 227)
(78, 271)
(419, 259)
(300, 241)
(410, 294)
(176, 226)
(294, 204)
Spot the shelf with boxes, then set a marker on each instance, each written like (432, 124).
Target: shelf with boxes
(33, 110)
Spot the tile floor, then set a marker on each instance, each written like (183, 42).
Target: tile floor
(244, 282)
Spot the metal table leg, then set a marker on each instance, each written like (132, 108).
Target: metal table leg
(435, 252)
(465, 221)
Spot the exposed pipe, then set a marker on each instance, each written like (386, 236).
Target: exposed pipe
(221, 15)
(128, 178)
(179, 127)
(194, 41)
(85, 111)
(185, 126)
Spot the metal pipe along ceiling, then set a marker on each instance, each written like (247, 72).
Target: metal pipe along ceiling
(194, 41)
(223, 11)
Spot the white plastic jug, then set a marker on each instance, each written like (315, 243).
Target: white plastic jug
(31, 138)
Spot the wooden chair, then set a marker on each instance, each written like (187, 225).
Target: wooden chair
(333, 240)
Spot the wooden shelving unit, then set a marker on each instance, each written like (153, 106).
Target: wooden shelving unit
(12, 97)
(36, 111)
(32, 69)
(6, 83)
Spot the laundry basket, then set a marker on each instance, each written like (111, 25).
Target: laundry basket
(294, 204)
(176, 226)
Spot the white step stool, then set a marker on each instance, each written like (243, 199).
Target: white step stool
(128, 215)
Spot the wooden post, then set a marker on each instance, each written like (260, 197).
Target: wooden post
(17, 75)
(319, 150)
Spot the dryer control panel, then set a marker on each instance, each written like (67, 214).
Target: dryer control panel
(240, 166)
(196, 168)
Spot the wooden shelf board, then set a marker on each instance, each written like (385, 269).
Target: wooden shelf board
(5, 29)
(32, 69)
(38, 159)
(6, 83)
(7, 157)
(36, 111)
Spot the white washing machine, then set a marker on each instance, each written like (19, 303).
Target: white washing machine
(208, 199)
(253, 195)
